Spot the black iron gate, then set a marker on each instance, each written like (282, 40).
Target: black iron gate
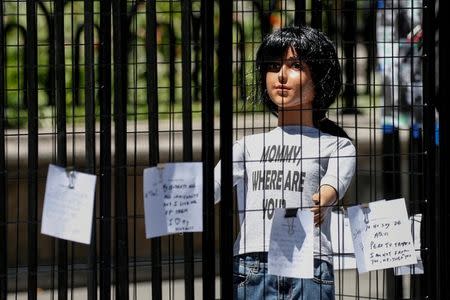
(111, 87)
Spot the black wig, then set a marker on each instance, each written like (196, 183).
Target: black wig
(315, 50)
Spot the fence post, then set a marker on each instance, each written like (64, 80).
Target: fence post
(392, 190)
(31, 73)
(435, 287)
(225, 81)
(207, 41)
(349, 41)
(416, 188)
(61, 158)
(316, 14)
(444, 141)
(300, 12)
(152, 100)
(105, 148)
(120, 43)
(90, 136)
(187, 137)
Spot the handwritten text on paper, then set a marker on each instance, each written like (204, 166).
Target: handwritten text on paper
(173, 199)
(381, 235)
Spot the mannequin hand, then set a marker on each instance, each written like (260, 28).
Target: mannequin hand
(323, 201)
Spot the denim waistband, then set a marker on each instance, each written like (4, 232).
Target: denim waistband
(260, 256)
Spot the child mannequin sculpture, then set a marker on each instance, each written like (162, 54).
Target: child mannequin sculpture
(306, 162)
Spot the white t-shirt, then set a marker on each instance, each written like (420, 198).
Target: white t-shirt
(284, 168)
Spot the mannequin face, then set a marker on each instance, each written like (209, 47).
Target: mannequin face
(289, 83)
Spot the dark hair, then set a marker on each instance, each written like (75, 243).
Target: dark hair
(318, 53)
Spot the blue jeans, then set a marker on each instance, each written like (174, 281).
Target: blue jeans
(251, 281)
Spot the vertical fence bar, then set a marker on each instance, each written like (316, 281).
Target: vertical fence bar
(391, 162)
(444, 135)
(3, 193)
(186, 11)
(89, 92)
(436, 236)
(105, 148)
(152, 101)
(416, 191)
(241, 78)
(120, 42)
(31, 70)
(349, 40)
(391, 190)
(444, 132)
(316, 14)
(196, 41)
(226, 151)
(300, 12)
(207, 41)
(61, 155)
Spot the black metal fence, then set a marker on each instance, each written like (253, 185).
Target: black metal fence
(111, 87)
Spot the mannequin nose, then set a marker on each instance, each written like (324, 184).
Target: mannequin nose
(282, 75)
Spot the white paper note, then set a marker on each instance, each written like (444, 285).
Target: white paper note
(381, 235)
(341, 242)
(173, 199)
(291, 245)
(68, 205)
(341, 237)
(416, 269)
(358, 228)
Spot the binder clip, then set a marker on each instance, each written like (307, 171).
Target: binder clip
(291, 212)
(366, 210)
(70, 172)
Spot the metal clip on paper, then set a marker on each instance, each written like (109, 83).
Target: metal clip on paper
(291, 212)
(70, 172)
(366, 211)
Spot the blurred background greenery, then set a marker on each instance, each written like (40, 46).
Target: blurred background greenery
(248, 29)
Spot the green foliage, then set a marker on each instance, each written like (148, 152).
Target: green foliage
(16, 111)
(247, 28)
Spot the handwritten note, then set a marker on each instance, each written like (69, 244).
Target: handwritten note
(416, 269)
(381, 235)
(341, 242)
(291, 245)
(68, 205)
(173, 199)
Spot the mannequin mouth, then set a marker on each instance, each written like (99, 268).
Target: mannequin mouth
(282, 90)
(282, 87)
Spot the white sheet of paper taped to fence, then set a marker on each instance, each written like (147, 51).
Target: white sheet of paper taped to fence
(416, 269)
(381, 235)
(291, 245)
(68, 205)
(341, 242)
(173, 198)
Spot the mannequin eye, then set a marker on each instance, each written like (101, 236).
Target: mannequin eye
(297, 66)
(273, 67)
